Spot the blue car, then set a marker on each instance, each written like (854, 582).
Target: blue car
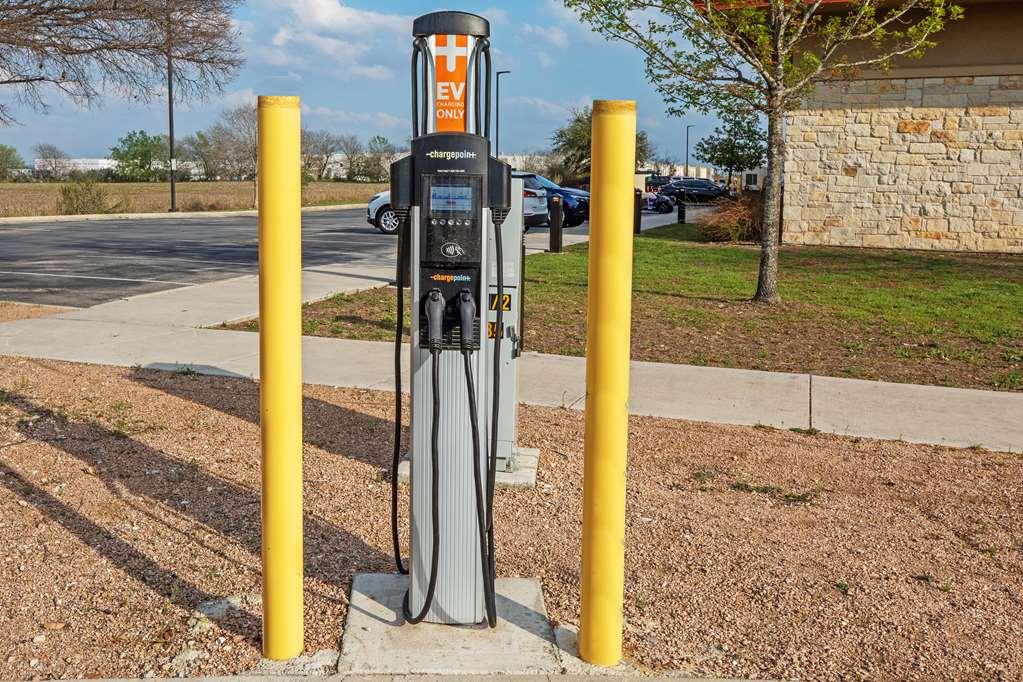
(576, 202)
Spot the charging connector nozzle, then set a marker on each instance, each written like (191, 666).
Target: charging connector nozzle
(467, 317)
(435, 305)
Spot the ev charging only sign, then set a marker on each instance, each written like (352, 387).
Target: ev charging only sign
(451, 65)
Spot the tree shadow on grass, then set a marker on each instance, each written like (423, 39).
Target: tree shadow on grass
(230, 510)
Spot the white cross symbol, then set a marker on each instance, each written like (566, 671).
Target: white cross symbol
(451, 51)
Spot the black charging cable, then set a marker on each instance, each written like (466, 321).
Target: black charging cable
(399, 328)
(499, 216)
(435, 305)
(467, 317)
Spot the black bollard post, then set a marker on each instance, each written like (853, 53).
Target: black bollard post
(681, 211)
(637, 212)
(556, 220)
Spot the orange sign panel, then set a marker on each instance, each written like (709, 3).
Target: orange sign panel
(451, 65)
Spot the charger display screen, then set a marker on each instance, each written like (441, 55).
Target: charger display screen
(451, 198)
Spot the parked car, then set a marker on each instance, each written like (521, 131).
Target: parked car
(576, 202)
(534, 200)
(695, 190)
(659, 203)
(656, 182)
(380, 215)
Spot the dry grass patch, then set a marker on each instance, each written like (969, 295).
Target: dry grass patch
(10, 311)
(129, 498)
(40, 198)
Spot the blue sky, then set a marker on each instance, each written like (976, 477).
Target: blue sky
(349, 62)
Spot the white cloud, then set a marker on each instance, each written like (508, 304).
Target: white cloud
(551, 34)
(543, 107)
(495, 15)
(333, 15)
(237, 98)
(376, 119)
(650, 121)
(546, 61)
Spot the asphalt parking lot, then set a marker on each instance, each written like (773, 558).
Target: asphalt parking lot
(83, 263)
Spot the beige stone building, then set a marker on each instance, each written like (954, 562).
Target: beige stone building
(926, 156)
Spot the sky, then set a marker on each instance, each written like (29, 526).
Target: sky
(349, 62)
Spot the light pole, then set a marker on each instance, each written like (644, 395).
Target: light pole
(691, 125)
(497, 117)
(170, 130)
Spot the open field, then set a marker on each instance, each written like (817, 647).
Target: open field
(129, 506)
(40, 198)
(902, 316)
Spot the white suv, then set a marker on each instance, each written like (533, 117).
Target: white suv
(380, 215)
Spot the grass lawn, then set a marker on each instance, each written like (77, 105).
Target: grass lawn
(903, 316)
(40, 198)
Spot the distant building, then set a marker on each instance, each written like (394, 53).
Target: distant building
(69, 165)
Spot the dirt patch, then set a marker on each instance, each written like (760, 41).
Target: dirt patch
(128, 499)
(24, 311)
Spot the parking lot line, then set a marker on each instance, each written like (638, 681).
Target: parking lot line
(107, 279)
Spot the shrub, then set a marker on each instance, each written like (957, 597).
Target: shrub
(83, 197)
(734, 220)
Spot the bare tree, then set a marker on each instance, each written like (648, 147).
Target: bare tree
(318, 146)
(236, 133)
(83, 47)
(202, 150)
(51, 160)
(353, 151)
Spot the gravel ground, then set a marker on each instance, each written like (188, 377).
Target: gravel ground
(129, 507)
(22, 311)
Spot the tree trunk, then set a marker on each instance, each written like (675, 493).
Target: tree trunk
(767, 284)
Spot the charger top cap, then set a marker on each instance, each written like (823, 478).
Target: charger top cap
(456, 23)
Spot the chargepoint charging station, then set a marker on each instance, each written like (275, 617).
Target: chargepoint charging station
(462, 240)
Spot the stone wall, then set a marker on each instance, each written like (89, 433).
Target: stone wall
(921, 163)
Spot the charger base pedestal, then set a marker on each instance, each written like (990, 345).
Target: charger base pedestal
(377, 641)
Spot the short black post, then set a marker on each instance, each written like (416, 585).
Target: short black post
(681, 211)
(557, 218)
(637, 212)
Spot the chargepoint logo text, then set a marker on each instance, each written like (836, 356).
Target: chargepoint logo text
(451, 155)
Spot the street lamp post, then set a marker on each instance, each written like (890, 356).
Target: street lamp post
(691, 125)
(170, 133)
(497, 117)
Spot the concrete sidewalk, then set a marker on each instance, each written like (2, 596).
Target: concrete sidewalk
(159, 330)
(924, 414)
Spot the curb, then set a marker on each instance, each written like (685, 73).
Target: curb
(16, 220)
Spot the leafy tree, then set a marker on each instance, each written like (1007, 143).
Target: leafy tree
(141, 157)
(51, 160)
(81, 47)
(571, 143)
(10, 159)
(765, 56)
(738, 145)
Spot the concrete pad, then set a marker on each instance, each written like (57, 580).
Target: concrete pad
(376, 641)
(567, 639)
(920, 414)
(351, 363)
(721, 395)
(522, 474)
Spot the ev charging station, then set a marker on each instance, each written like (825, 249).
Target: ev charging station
(462, 237)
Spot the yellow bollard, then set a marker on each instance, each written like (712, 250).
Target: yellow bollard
(280, 368)
(609, 311)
